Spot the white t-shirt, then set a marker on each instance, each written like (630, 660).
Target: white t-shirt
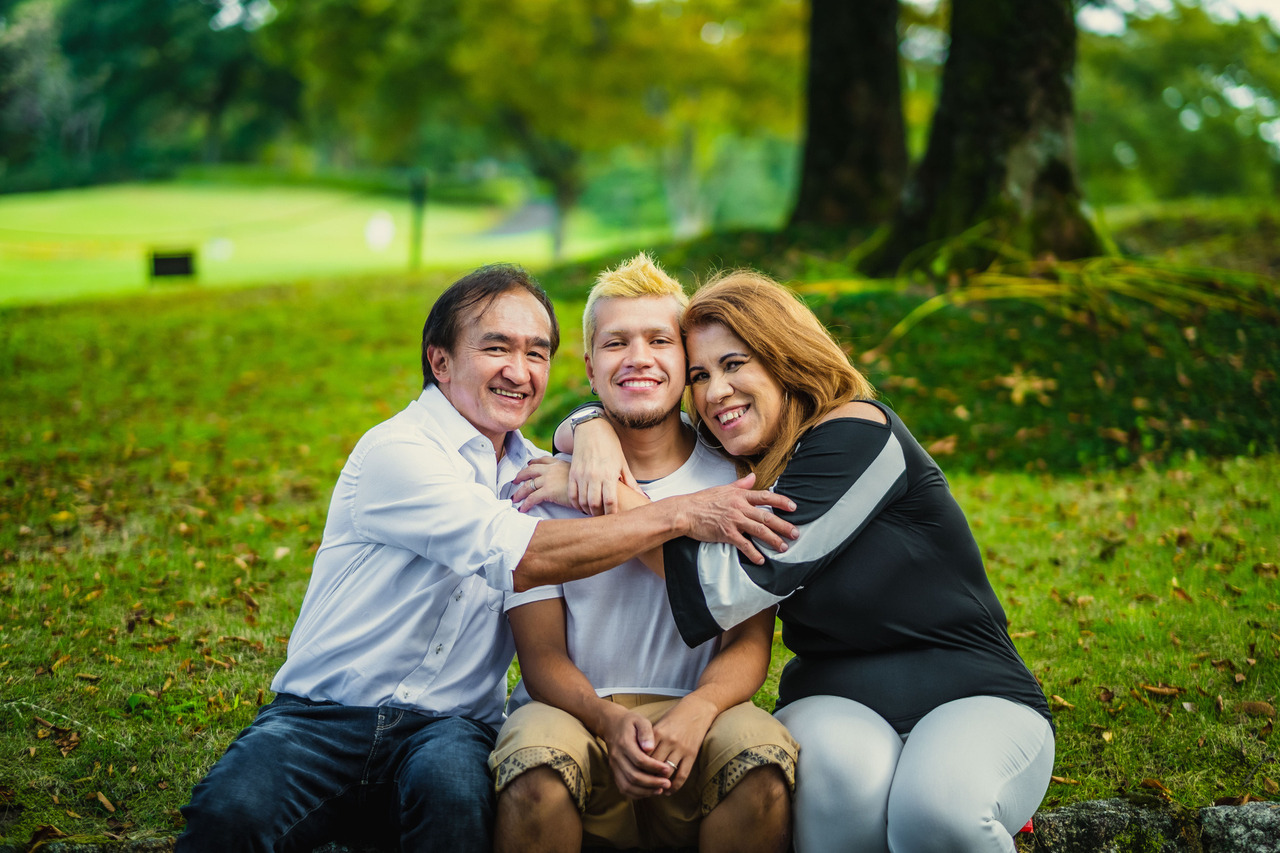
(619, 627)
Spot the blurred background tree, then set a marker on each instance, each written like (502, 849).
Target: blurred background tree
(693, 115)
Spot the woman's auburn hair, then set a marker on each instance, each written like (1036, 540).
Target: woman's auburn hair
(792, 344)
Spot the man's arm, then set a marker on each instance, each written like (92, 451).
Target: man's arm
(562, 550)
(553, 679)
(731, 677)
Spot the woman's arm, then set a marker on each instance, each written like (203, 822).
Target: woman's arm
(843, 473)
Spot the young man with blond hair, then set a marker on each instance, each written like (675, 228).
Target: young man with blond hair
(620, 735)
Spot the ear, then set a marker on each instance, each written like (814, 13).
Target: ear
(591, 371)
(438, 359)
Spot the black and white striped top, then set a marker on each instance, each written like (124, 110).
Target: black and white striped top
(884, 598)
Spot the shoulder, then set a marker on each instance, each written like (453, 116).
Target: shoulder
(859, 410)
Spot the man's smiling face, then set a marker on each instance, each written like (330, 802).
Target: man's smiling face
(637, 359)
(497, 373)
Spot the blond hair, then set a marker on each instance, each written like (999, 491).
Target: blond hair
(640, 276)
(792, 344)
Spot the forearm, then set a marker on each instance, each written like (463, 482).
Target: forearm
(562, 685)
(562, 550)
(736, 672)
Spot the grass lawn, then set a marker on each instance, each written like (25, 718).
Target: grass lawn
(169, 458)
(97, 241)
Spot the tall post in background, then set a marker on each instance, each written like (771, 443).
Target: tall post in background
(418, 204)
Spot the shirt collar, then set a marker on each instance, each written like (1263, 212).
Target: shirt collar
(460, 432)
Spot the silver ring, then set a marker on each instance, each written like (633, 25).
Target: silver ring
(674, 766)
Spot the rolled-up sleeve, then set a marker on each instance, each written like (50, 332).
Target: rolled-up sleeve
(414, 495)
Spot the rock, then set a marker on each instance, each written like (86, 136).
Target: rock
(1251, 828)
(1115, 826)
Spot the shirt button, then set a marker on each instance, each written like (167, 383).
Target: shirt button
(458, 596)
(439, 648)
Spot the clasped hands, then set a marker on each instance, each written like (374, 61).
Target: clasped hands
(656, 759)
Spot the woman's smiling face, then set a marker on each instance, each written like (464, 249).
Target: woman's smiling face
(735, 394)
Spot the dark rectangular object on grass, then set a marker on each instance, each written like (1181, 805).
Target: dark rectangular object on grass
(178, 262)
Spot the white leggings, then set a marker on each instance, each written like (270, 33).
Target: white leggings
(970, 774)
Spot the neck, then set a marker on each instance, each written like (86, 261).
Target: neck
(656, 452)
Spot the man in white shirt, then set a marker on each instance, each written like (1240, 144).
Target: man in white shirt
(387, 704)
(620, 735)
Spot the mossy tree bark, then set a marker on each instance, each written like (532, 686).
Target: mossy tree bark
(1001, 148)
(855, 155)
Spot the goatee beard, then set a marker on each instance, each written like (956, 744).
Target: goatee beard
(640, 420)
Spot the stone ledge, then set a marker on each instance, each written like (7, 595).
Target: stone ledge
(1100, 826)
(1118, 826)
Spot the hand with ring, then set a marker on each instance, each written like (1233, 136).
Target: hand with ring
(543, 479)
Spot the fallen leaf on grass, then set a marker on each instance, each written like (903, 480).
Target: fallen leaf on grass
(1063, 780)
(1162, 689)
(66, 739)
(1058, 702)
(1181, 593)
(943, 446)
(1189, 707)
(102, 798)
(1257, 709)
(1154, 784)
(1235, 801)
(1266, 570)
(44, 833)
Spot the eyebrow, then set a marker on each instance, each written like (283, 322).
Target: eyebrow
(661, 330)
(502, 338)
(720, 360)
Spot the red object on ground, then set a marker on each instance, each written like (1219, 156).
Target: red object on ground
(1027, 828)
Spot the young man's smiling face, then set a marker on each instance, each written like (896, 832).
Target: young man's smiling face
(636, 360)
(497, 373)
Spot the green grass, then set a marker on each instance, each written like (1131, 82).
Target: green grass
(97, 241)
(169, 458)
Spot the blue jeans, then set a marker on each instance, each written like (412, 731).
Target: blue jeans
(305, 773)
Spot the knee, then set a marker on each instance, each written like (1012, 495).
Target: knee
(228, 818)
(755, 816)
(533, 794)
(934, 825)
(762, 792)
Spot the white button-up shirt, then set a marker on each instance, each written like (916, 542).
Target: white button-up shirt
(404, 606)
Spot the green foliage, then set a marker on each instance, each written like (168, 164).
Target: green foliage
(378, 85)
(1179, 105)
(1098, 290)
(171, 82)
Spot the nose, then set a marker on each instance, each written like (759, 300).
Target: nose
(517, 370)
(640, 354)
(718, 386)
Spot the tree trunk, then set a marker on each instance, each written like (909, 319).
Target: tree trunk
(1001, 149)
(855, 154)
(686, 203)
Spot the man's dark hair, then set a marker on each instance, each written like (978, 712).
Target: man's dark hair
(480, 287)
